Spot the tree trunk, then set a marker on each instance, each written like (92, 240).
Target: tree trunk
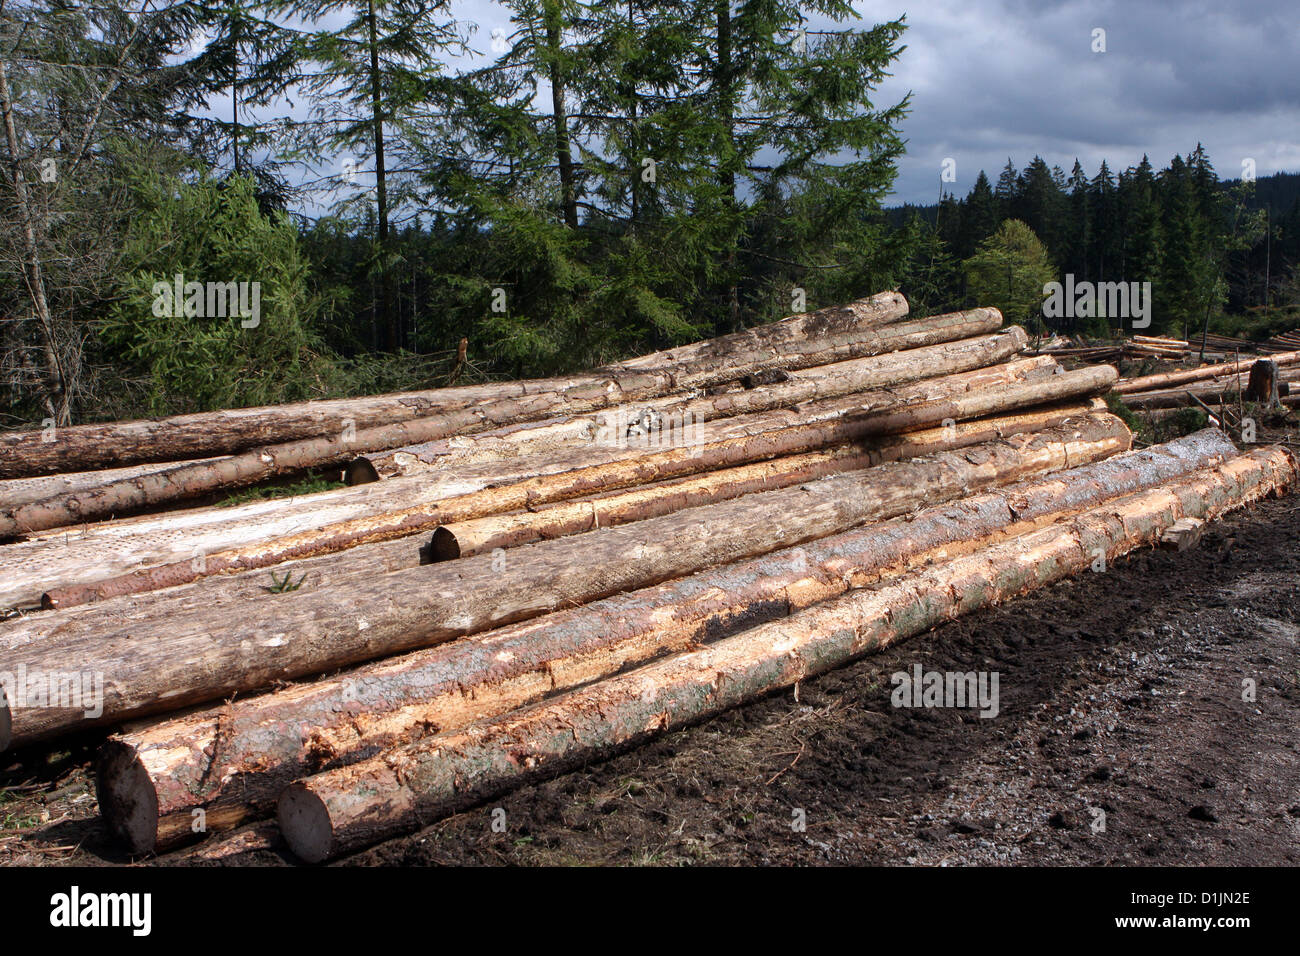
(201, 657)
(821, 382)
(386, 321)
(152, 778)
(1182, 377)
(560, 116)
(429, 775)
(58, 399)
(800, 341)
(740, 443)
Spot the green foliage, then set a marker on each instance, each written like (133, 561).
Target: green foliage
(304, 486)
(1116, 406)
(1008, 271)
(213, 232)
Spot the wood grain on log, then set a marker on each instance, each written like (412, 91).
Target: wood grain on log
(411, 784)
(153, 777)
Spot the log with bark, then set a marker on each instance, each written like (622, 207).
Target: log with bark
(199, 657)
(270, 461)
(20, 491)
(714, 446)
(95, 554)
(413, 783)
(612, 426)
(232, 761)
(85, 447)
(1164, 380)
(249, 589)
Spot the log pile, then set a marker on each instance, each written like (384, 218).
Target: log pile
(520, 577)
(1230, 384)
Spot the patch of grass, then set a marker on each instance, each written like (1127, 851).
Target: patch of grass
(305, 486)
(1115, 404)
(285, 584)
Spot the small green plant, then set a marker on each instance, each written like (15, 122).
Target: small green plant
(286, 583)
(307, 486)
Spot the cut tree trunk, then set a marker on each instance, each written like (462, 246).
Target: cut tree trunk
(793, 340)
(203, 656)
(153, 778)
(1262, 387)
(740, 446)
(823, 382)
(410, 784)
(200, 540)
(248, 467)
(1183, 376)
(333, 571)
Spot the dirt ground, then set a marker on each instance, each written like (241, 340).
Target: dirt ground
(1122, 738)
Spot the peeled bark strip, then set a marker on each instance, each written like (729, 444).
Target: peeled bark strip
(151, 779)
(729, 443)
(407, 786)
(269, 461)
(1183, 376)
(200, 657)
(828, 381)
(85, 447)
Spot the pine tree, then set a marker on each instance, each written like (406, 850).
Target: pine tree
(1009, 271)
(367, 76)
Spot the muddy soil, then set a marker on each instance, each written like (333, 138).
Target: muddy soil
(1148, 714)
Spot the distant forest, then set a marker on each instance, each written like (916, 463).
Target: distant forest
(614, 177)
(1225, 249)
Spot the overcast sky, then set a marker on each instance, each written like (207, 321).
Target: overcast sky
(993, 79)
(999, 79)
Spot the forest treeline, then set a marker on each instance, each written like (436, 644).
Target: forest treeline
(612, 177)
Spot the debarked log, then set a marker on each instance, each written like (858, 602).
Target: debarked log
(85, 447)
(186, 481)
(411, 784)
(203, 656)
(715, 445)
(232, 761)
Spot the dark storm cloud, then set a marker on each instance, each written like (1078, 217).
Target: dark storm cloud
(993, 79)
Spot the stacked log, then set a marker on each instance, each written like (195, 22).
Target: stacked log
(795, 342)
(747, 439)
(414, 782)
(154, 778)
(192, 658)
(515, 555)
